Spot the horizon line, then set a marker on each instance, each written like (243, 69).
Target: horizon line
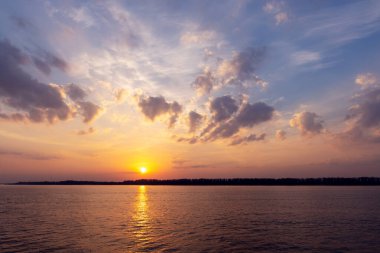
(219, 181)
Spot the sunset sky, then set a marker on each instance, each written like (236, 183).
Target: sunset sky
(95, 90)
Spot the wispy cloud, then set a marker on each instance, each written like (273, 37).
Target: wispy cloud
(182, 164)
(305, 57)
(28, 155)
(278, 10)
(342, 24)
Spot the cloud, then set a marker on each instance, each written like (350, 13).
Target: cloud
(120, 94)
(305, 57)
(249, 138)
(366, 111)
(205, 83)
(365, 80)
(273, 6)
(75, 92)
(16, 117)
(223, 130)
(45, 61)
(197, 37)
(186, 164)
(20, 91)
(35, 101)
(172, 120)
(191, 140)
(90, 130)
(195, 120)
(247, 116)
(363, 117)
(153, 107)
(281, 17)
(280, 135)
(27, 155)
(341, 24)
(228, 116)
(223, 107)
(239, 70)
(309, 123)
(276, 8)
(132, 30)
(81, 15)
(253, 114)
(89, 111)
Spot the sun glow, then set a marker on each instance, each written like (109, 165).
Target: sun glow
(143, 170)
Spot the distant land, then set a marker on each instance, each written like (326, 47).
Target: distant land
(227, 181)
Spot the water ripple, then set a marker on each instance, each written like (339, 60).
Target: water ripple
(189, 219)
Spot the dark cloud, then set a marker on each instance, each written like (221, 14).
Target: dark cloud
(309, 123)
(223, 130)
(75, 92)
(42, 65)
(153, 107)
(208, 128)
(195, 120)
(364, 116)
(88, 110)
(35, 101)
(223, 107)
(46, 61)
(55, 61)
(249, 138)
(20, 91)
(228, 116)
(247, 116)
(43, 60)
(12, 117)
(12, 55)
(253, 114)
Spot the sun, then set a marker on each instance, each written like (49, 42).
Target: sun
(143, 170)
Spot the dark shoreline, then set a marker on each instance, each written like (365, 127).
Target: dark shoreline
(332, 181)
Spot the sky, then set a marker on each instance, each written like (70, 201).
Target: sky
(95, 90)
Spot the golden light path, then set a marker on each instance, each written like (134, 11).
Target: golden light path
(141, 218)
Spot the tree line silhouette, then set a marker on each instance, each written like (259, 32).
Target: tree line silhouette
(224, 181)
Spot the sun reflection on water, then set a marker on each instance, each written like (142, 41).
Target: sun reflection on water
(141, 217)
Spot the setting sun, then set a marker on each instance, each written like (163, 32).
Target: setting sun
(143, 170)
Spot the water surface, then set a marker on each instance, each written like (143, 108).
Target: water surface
(189, 219)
